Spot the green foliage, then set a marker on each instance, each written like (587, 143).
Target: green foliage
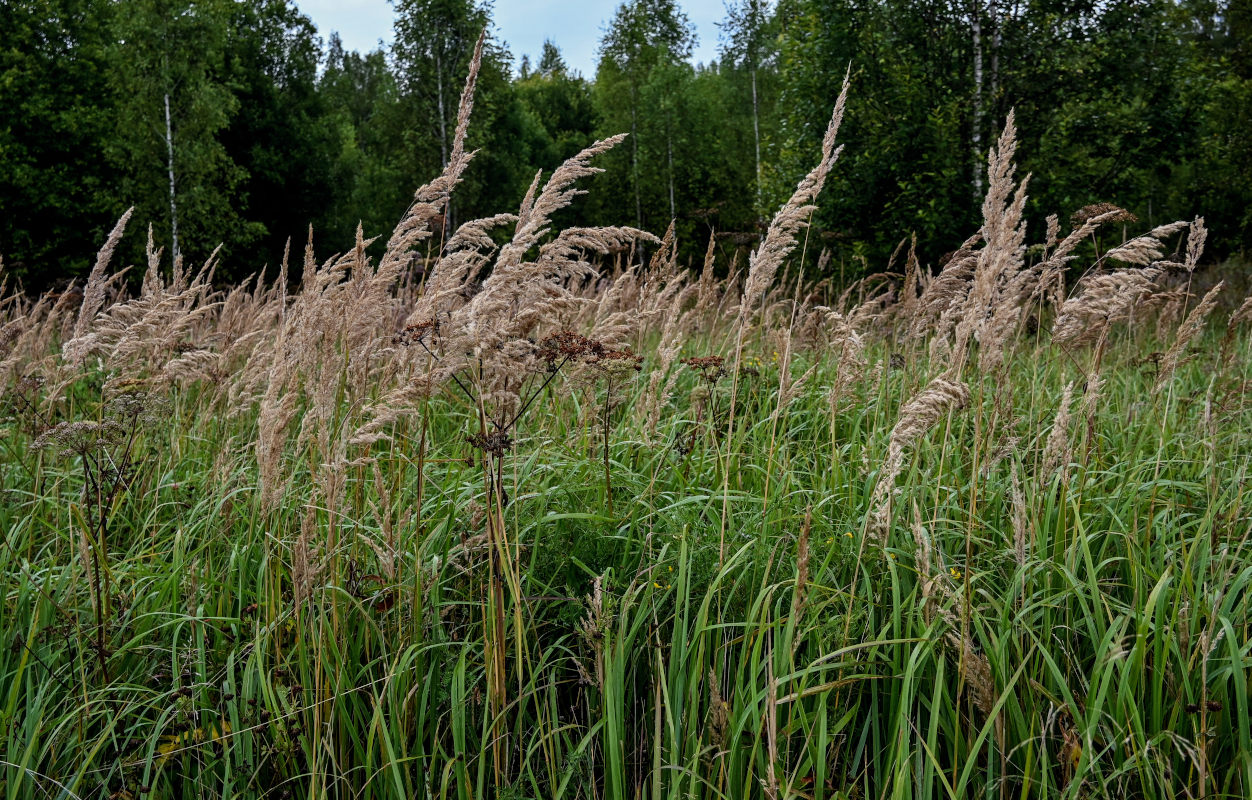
(1143, 103)
(57, 198)
(369, 183)
(1115, 102)
(172, 53)
(641, 661)
(277, 135)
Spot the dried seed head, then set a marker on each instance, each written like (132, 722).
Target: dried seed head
(1115, 214)
(495, 443)
(416, 333)
(710, 369)
(567, 345)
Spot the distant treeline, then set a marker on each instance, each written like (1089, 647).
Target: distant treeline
(235, 123)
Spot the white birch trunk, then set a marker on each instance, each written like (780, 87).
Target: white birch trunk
(976, 138)
(169, 147)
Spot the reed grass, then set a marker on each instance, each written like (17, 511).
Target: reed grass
(565, 521)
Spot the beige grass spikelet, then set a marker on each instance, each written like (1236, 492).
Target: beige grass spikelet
(944, 295)
(305, 566)
(906, 308)
(1056, 452)
(1091, 403)
(1187, 332)
(1020, 516)
(706, 298)
(1053, 232)
(1195, 243)
(1240, 316)
(1145, 249)
(992, 308)
(1099, 301)
(430, 200)
(917, 417)
(844, 339)
(780, 238)
(663, 377)
(94, 291)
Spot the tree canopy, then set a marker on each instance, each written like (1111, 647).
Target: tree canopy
(241, 124)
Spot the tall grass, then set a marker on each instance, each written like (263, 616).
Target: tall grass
(560, 521)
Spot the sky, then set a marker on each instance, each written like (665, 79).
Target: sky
(575, 25)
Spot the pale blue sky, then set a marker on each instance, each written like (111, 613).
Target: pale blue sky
(575, 25)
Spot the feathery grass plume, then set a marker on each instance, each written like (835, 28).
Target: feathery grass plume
(25, 333)
(1241, 315)
(94, 291)
(613, 302)
(923, 411)
(166, 322)
(278, 409)
(350, 316)
(1238, 317)
(492, 330)
(1056, 452)
(1164, 308)
(789, 390)
(800, 597)
(657, 292)
(1145, 249)
(593, 627)
(1052, 268)
(519, 295)
(942, 299)
(32, 334)
(240, 324)
(850, 366)
(906, 306)
(927, 408)
(719, 714)
(706, 297)
(780, 238)
(663, 378)
(1052, 234)
(1190, 328)
(486, 331)
(1195, 243)
(1091, 402)
(330, 341)
(1021, 521)
(305, 565)
(991, 310)
(1100, 300)
(430, 200)
(456, 276)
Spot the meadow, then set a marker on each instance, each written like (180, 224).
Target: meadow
(555, 516)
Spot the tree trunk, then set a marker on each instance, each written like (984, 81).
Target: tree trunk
(756, 135)
(169, 147)
(634, 157)
(993, 14)
(669, 154)
(443, 133)
(976, 137)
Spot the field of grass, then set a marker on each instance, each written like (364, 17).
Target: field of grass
(562, 521)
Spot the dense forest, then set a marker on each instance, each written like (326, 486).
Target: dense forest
(237, 123)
